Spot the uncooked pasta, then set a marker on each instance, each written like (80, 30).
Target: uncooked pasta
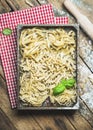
(46, 57)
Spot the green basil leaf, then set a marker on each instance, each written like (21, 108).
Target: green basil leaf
(58, 89)
(64, 82)
(70, 83)
(7, 31)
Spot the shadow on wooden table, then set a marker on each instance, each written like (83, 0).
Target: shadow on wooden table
(46, 112)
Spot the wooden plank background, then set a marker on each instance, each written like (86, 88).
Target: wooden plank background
(54, 120)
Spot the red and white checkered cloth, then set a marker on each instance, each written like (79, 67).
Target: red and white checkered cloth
(37, 15)
(61, 20)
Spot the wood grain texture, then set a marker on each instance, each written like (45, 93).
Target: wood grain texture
(46, 120)
(1, 70)
(34, 2)
(85, 112)
(84, 22)
(86, 50)
(2, 83)
(5, 123)
(85, 43)
(54, 120)
(56, 3)
(13, 4)
(22, 4)
(86, 87)
(22, 121)
(78, 121)
(33, 120)
(8, 9)
(2, 9)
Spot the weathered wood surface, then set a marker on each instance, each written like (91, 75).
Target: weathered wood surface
(54, 120)
(5, 5)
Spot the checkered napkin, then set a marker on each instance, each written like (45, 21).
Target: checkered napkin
(37, 15)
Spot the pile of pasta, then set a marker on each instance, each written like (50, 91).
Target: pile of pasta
(46, 57)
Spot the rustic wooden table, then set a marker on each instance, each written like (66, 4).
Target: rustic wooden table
(54, 120)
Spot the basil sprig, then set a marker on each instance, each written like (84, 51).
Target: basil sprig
(64, 84)
(58, 89)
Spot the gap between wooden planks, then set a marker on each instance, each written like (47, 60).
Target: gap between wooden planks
(51, 1)
(2, 9)
(54, 120)
(5, 6)
(57, 118)
(17, 3)
(88, 117)
(38, 120)
(5, 123)
(86, 45)
(86, 48)
(20, 121)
